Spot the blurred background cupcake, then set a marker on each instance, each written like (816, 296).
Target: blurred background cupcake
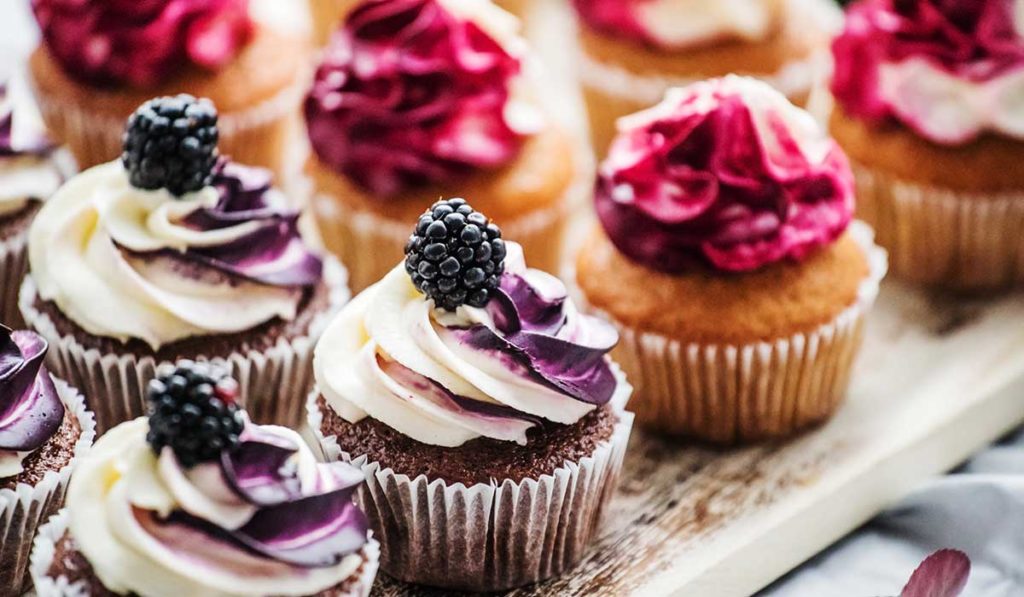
(420, 99)
(98, 60)
(633, 51)
(173, 252)
(928, 107)
(728, 263)
(481, 405)
(30, 171)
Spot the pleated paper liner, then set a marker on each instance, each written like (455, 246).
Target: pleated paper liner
(25, 508)
(943, 238)
(50, 535)
(273, 383)
(727, 394)
(13, 265)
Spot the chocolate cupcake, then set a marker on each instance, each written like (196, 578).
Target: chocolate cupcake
(481, 406)
(729, 264)
(196, 500)
(174, 253)
(44, 432)
(29, 173)
(415, 99)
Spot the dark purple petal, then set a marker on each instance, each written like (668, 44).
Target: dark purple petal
(942, 574)
(30, 409)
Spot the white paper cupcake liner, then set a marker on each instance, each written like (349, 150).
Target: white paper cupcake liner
(273, 383)
(739, 393)
(13, 265)
(485, 537)
(51, 533)
(945, 238)
(26, 507)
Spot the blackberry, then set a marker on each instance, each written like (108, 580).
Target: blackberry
(193, 410)
(171, 143)
(456, 255)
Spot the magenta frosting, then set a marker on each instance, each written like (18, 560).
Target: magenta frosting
(971, 39)
(615, 18)
(408, 94)
(141, 42)
(30, 409)
(698, 183)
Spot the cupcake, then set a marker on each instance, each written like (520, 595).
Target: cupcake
(729, 264)
(173, 252)
(633, 51)
(415, 98)
(480, 404)
(29, 174)
(44, 432)
(98, 60)
(927, 108)
(196, 500)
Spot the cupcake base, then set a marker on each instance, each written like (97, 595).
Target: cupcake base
(14, 261)
(27, 500)
(60, 570)
(272, 363)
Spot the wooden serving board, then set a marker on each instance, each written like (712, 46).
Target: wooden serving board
(938, 379)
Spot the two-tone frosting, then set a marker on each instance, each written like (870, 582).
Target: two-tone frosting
(727, 174)
(27, 169)
(31, 411)
(141, 42)
(949, 70)
(224, 259)
(680, 24)
(444, 378)
(266, 519)
(414, 92)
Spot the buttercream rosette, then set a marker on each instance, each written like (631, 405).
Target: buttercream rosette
(225, 264)
(37, 413)
(264, 519)
(526, 361)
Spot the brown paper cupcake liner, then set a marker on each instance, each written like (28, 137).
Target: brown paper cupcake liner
(26, 507)
(50, 534)
(485, 537)
(13, 265)
(945, 238)
(740, 393)
(273, 383)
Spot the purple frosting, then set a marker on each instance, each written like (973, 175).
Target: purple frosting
(34, 142)
(30, 409)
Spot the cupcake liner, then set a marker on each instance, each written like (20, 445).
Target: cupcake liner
(942, 237)
(740, 393)
(273, 383)
(485, 537)
(13, 265)
(50, 534)
(327, 14)
(26, 507)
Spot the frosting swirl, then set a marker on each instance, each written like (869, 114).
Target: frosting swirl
(677, 24)
(30, 409)
(224, 259)
(267, 519)
(725, 173)
(141, 42)
(413, 92)
(27, 170)
(949, 70)
(446, 378)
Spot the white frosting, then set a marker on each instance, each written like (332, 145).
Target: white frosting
(128, 553)
(950, 109)
(683, 23)
(75, 263)
(26, 177)
(393, 321)
(10, 463)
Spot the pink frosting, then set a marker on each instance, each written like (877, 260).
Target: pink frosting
(141, 42)
(614, 17)
(409, 94)
(973, 40)
(723, 173)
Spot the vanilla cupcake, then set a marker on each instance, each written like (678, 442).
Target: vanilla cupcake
(480, 404)
(45, 430)
(418, 99)
(196, 500)
(729, 264)
(173, 252)
(633, 51)
(928, 108)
